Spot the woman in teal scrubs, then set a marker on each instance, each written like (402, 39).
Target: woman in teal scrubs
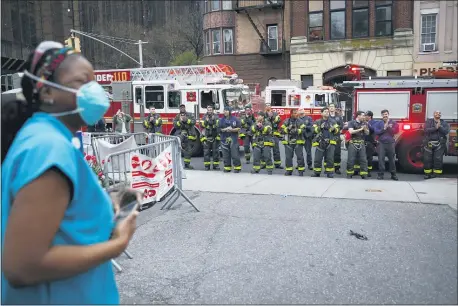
(58, 233)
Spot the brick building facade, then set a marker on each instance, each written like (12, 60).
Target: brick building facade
(329, 37)
(252, 36)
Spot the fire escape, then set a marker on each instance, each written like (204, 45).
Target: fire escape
(240, 7)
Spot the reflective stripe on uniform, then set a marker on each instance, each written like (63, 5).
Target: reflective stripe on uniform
(317, 169)
(437, 171)
(186, 160)
(329, 169)
(289, 168)
(300, 168)
(237, 167)
(363, 173)
(350, 172)
(216, 163)
(428, 171)
(227, 168)
(270, 167)
(207, 163)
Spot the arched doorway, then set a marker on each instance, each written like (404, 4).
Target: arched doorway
(344, 73)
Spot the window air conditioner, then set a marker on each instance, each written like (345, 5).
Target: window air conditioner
(428, 47)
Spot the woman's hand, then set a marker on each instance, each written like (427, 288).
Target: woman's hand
(125, 229)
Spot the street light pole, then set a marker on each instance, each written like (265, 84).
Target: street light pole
(140, 43)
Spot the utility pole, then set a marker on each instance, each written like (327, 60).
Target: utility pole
(140, 51)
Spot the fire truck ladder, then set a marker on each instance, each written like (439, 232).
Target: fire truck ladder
(194, 74)
(396, 83)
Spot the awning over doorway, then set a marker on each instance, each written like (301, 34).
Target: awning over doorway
(11, 65)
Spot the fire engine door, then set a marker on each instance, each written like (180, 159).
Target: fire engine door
(139, 99)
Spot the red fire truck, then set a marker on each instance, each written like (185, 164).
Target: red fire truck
(286, 95)
(410, 102)
(165, 88)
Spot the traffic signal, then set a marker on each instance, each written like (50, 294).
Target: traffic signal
(69, 42)
(73, 42)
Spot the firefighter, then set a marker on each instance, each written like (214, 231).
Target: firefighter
(246, 120)
(262, 144)
(436, 131)
(275, 121)
(210, 139)
(308, 135)
(186, 131)
(326, 131)
(294, 142)
(183, 110)
(153, 123)
(385, 129)
(338, 149)
(358, 129)
(370, 142)
(229, 127)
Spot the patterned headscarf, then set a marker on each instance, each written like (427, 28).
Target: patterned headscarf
(55, 53)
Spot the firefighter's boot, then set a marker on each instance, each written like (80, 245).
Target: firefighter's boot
(394, 177)
(301, 173)
(337, 171)
(330, 175)
(207, 168)
(215, 167)
(349, 176)
(428, 176)
(254, 171)
(288, 173)
(364, 177)
(278, 166)
(369, 174)
(315, 174)
(188, 166)
(380, 176)
(269, 172)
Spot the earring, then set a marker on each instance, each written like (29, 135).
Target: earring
(49, 101)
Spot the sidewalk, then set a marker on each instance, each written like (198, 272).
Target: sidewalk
(435, 191)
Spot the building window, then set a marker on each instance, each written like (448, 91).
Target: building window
(360, 19)
(215, 5)
(393, 73)
(428, 32)
(337, 19)
(315, 26)
(216, 35)
(315, 20)
(227, 5)
(307, 80)
(383, 18)
(228, 41)
(272, 34)
(315, 6)
(208, 41)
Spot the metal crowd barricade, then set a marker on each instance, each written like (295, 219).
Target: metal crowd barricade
(119, 171)
(112, 138)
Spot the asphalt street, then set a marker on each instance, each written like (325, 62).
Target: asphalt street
(450, 166)
(246, 249)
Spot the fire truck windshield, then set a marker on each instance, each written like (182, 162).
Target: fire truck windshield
(235, 97)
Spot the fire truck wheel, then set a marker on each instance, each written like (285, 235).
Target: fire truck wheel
(196, 148)
(410, 155)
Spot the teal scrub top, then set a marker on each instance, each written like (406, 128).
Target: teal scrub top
(42, 143)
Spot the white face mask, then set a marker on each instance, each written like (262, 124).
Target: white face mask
(91, 100)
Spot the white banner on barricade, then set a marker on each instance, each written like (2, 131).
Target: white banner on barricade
(116, 165)
(153, 177)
